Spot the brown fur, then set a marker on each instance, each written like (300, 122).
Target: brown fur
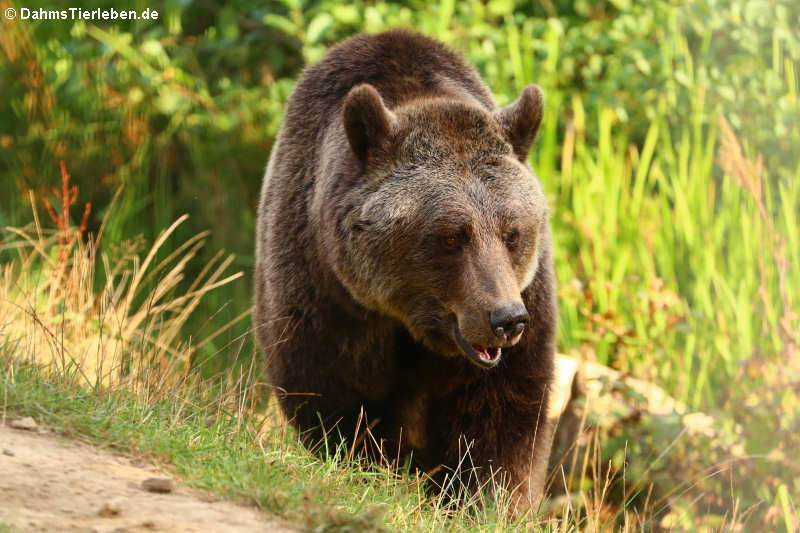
(396, 207)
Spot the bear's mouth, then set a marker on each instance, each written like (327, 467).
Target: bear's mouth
(483, 356)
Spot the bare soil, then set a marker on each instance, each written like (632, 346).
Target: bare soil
(51, 483)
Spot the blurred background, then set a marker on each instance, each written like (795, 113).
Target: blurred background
(670, 153)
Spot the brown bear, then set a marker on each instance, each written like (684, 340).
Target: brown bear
(404, 278)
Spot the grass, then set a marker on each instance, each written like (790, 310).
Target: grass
(673, 253)
(203, 442)
(204, 432)
(677, 263)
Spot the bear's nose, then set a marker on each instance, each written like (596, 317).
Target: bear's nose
(508, 320)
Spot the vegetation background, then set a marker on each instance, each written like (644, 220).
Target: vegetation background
(670, 153)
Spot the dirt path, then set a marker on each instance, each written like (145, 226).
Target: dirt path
(49, 483)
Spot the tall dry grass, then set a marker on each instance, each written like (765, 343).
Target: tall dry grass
(106, 317)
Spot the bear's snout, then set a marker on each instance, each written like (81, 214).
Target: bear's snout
(508, 321)
(481, 334)
(499, 326)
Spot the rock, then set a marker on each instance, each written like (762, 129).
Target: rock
(622, 432)
(26, 423)
(110, 509)
(8, 452)
(161, 485)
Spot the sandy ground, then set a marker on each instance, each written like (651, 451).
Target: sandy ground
(50, 483)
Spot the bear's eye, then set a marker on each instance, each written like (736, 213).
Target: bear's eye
(511, 238)
(452, 243)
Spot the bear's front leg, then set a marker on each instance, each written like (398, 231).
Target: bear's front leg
(500, 439)
(331, 385)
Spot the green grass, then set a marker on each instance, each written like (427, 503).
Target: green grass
(248, 458)
(677, 263)
(206, 445)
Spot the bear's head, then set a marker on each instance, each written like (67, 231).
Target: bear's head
(443, 224)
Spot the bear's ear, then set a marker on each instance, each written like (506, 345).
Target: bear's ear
(367, 121)
(520, 120)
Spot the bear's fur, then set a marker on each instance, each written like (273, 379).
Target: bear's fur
(398, 226)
